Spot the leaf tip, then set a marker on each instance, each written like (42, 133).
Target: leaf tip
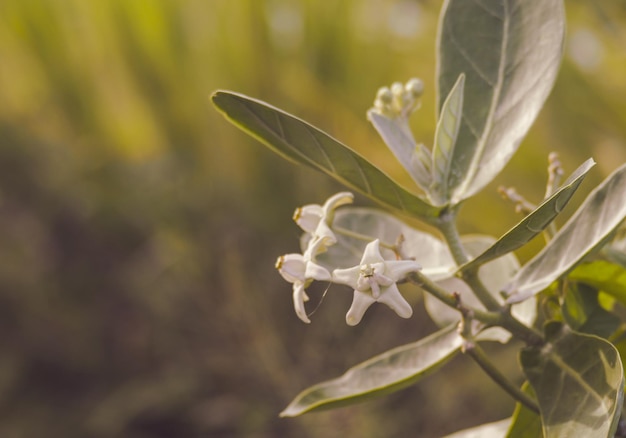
(289, 412)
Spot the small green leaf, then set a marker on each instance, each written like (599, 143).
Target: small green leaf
(579, 383)
(497, 429)
(586, 231)
(382, 374)
(445, 141)
(583, 313)
(510, 51)
(525, 423)
(602, 275)
(397, 135)
(535, 222)
(298, 141)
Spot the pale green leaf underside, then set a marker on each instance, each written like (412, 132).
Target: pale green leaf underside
(510, 52)
(301, 142)
(535, 222)
(396, 134)
(381, 374)
(445, 141)
(364, 225)
(497, 429)
(578, 380)
(595, 220)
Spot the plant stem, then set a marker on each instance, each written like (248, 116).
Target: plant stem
(474, 351)
(487, 318)
(481, 292)
(447, 226)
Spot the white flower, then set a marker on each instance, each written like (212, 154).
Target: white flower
(375, 280)
(301, 270)
(316, 219)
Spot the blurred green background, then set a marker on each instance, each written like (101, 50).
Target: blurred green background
(138, 229)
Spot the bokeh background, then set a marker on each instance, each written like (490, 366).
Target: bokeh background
(138, 229)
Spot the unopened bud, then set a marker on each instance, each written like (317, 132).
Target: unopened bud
(384, 95)
(415, 87)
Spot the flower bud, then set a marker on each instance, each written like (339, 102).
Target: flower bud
(415, 87)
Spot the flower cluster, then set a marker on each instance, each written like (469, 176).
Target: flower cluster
(373, 280)
(399, 100)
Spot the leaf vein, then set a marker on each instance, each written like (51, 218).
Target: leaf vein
(329, 162)
(482, 75)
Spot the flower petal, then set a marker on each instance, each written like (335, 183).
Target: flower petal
(371, 254)
(308, 217)
(316, 272)
(291, 267)
(392, 297)
(398, 269)
(348, 276)
(335, 201)
(315, 246)
(360, 303)
(299, 296)
(326, 235)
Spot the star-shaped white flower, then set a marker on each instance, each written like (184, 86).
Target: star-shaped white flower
(317, 219)
(301, 270)
(374, 280)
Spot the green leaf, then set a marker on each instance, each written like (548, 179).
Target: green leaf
(602, 275)
(583, 313)
(510, 52)
(586, 231)
(355, 227)
(445, 140)
(535, 222)
(494, 276)
(525, 423)
(579, 383)
(301, 142)
(397, 135)
(381, 374)
(497, 429)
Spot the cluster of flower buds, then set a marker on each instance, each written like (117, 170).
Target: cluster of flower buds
(399, 100)
(373, 280)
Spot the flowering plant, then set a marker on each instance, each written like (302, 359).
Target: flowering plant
(497, 62)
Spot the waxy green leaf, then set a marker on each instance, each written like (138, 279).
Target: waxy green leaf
(494, 275)
(604, 276)
(583, 313)
(382, 374)
(591, 225)
(524, 422)
(510, 52)
(301, 142)
(535, 222)
(355, 227)
(445, 140)
(497, 429)
(578, 380)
